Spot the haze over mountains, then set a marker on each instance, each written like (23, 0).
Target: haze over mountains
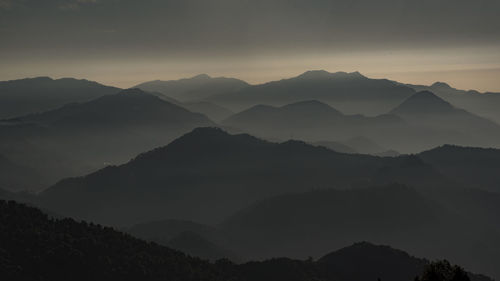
(197, 88)
(32, 95)
(348, 92)
(268, 167)
(421, 122)
(301, 172)
(81, 137)
(207, 175)
(199, 167)
(484, 104)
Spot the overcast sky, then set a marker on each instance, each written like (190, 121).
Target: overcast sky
(124, 42)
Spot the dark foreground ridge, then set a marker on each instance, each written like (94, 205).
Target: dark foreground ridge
(36, 247)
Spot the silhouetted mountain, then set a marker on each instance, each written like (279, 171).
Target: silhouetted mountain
(194, 89)
(313, 121)
(425, 109)
(302, 224)
(476, 167)
(423, 103)
(25, 96)
(382, 261)
(37, 247)
(350, 92)
(207, 174)
(483, 104)
(82, 137)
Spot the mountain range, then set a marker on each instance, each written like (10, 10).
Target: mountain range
(207, 175)
(32, 95)
(310, 164)
(420, 122)
(483, 104)
(82, 137)
(38, 247)
(196, 88)
(199, 167)
(349, 92)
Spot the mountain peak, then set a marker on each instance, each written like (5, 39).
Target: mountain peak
(133, 91)
(441, 85)
(423, 102)
(323, 74)
(315, 74)
(202, 76)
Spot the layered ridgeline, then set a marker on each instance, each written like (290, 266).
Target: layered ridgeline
(81, 137)
(299, 224)
(477, 167)
(25, 96)
(420, 122)
(305, 224)
(213, 111)
(349, 92)
(206, 174)
(197, 88)
(37, 247)
(425, 109)
(484, 104)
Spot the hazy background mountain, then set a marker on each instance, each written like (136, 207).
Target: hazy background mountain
(484, 104)
(83, 137)
(348, 92)
(197, 88)
(421, 122)
(31, 95)
(428, 110)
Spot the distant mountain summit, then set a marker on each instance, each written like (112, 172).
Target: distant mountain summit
(323, 74)
(81, 137)
(196, 88)
(31, 95)
(454, 125)
(195, 169)
(127, 108)
(350, 92)
(311, 121)
(424, 102)
(483, 104)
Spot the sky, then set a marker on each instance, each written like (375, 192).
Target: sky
(125, 42)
